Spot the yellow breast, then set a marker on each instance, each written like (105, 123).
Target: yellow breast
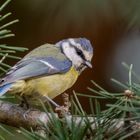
(50, 86)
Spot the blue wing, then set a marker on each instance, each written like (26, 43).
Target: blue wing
(5, 88)
(36, 67)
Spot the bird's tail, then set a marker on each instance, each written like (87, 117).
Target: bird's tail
(5, 88)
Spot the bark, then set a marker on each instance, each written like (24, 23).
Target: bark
(13, 115)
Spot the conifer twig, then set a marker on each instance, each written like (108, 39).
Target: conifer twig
(64, 110)
(13, 115)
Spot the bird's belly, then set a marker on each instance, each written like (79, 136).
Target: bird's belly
(50, 86)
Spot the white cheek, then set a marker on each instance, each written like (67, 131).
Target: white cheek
(76, 60)
(72, 55)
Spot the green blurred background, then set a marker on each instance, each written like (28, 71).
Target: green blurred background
(112, 26)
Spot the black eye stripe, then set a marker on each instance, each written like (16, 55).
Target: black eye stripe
(78, 51)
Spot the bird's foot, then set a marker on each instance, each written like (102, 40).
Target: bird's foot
(29, 111)
(23, 105)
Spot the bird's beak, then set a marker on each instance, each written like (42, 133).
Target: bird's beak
(88, 64)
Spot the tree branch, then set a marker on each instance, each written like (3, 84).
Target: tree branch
(13, 115)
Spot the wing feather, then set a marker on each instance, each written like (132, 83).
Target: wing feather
(36, 67)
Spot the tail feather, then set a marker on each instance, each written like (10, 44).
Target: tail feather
(5, 88)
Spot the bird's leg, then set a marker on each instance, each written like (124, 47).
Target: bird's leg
(52, 102)
(24, 103)
(26, 106)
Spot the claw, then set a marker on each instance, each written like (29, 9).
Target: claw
(28, 111)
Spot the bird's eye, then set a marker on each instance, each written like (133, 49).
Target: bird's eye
(80, 53)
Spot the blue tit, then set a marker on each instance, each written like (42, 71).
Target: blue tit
(48, 70)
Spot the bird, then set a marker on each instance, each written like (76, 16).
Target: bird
(48, 70)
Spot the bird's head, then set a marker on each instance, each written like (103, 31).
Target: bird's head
(78, 50)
